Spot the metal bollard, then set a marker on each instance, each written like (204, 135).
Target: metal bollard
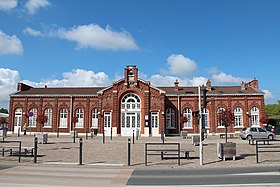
(57, 135)
(103, 136)
(91, 135)
(111, 134)
(18, 132)
(86, 134)
(81, 152)
(162, 136)
(133, 137)
(35, 149)
(19, 151)
(128, 152)
(74, 137)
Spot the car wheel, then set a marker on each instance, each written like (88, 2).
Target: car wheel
(249, 137)
(270, 137)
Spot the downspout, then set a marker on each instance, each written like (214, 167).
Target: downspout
(71, 112)
(179, 124)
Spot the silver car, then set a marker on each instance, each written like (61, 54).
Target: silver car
(256, 133)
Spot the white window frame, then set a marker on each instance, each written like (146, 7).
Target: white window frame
(238, 117)
(187, 113)
(48, 113)
(63, 115)
(219, 123)
(94, 117)
(254, 113)
(32, 119)
(205, 117)
(80, 116)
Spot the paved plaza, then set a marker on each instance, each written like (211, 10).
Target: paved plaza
(114, 153)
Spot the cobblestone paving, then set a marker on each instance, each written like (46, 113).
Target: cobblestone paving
(113, 153)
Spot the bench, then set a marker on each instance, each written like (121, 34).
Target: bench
(162, 149)
(15, 149)
(252, 140)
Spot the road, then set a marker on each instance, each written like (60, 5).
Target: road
(42, 175)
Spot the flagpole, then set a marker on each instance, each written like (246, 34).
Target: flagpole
(200, 128)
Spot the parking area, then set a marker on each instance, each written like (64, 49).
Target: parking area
(62, 150)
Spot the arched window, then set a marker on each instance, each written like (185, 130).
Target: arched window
(80, 117)
(238, 117)
(205, 117)
(63, 118)
(32, 119)
(48, 113)
(170, 118)
(219, 122)
(254, 116)
(188, 113)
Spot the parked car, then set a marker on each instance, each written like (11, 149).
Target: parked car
(256, 132)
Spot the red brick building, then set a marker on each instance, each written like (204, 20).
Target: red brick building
(132, 104)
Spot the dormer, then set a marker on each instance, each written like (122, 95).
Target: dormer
(131, 76)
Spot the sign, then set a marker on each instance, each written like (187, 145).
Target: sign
(30, 114)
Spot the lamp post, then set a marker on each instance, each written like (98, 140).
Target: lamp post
(200, 128)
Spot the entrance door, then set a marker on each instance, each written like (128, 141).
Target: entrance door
(17, 120)
(107, 123)
(131, 123)
(154, 123)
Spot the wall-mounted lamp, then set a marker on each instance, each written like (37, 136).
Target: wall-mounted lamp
(162, 113)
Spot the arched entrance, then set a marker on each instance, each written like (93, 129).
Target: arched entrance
(130, 114)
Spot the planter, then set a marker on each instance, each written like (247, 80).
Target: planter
(195, 140)
(42, 138)
(226, 150)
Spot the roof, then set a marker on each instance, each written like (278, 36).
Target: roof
(60, 91)
(215, 90)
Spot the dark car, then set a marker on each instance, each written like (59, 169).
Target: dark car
(256, 132)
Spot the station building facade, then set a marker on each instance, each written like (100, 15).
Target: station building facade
(134, 105)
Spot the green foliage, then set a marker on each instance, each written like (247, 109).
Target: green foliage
(3, 110)
(272, 109)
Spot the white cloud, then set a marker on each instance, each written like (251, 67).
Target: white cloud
(10, 44)
(180, 65)
(223, 78)
(8, 83)
(268, 95)
(76, 78)
(32, 32)
(7, 4)
(93, 36)
(159, 80)
(196, 81)
(33, 5)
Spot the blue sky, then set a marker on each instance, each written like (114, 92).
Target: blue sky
(63, 43)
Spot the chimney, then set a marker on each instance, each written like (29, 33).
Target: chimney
(254, 83)
(243, 86)
(46, 86)
(23, 87)
(176, 84)
(208, 85)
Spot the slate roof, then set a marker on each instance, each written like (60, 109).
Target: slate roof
(216, 90)
(60, 91)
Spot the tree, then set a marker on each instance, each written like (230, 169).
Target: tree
(226, 118)
(41, 119)
(272, 109)
(3, 110)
